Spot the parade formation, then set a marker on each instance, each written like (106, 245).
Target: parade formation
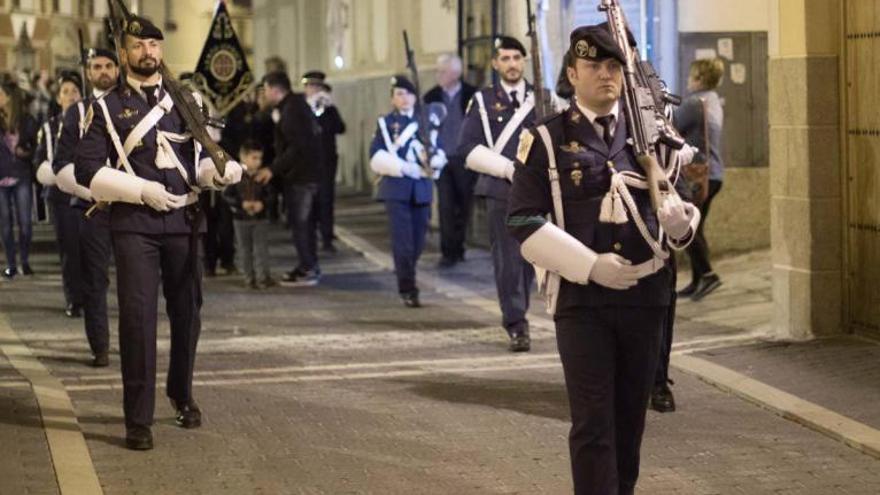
(586, 193)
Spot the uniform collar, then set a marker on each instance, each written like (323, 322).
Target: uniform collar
(408, 114)
(519, 87)
(97, 93)
(137, 85)
(592, 116)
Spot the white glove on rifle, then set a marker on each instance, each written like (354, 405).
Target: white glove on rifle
(154, 195)
(209, 178)
(231, 174)
(675, 216)
(614, 272)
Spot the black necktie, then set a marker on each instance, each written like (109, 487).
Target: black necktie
(605, 121)
(150, 92)
(514, 100)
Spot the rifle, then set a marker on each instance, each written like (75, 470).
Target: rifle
(83, 63)
(424, 134)
(542, 102)
(645, 98)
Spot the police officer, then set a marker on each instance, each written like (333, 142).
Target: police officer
(401, 161)
(102, 72)
(66, 221)
(496, 116)
(153, 185)
(318, 95)
(610, 251)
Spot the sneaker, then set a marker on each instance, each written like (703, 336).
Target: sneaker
(10, 273)
(292, 275)
(689, 290)
(301, 279)
(266, 283)
(411, 299)
(707, 285)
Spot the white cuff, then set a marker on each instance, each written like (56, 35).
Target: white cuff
(485, 161)
(66, 180)
(384, 163)
(113, 185)
(45, 175)
(555, 250)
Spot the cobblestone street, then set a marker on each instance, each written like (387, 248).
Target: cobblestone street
(339, 389)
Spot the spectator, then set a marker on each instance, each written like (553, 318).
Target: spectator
(19, 131)
(456, 184)
(298, 160)
(700, 120)
(249, 203)
(318, 95)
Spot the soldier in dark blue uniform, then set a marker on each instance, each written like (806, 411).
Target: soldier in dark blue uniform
(156, 172)
(489, 136)
(102, 72)
(65, 216)
(606, 253)
(400, 160)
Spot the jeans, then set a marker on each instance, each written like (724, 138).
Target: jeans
(252, 246)
(15, 202)
(300, 199)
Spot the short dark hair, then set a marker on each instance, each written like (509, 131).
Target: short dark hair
(277, 79)
(250, 145)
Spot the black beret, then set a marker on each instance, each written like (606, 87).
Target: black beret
(101, 52)
(316, 77)
(509, 43)
(629, 34)
(594, 43)
(142, 28)
(403, 82)
(71, 77)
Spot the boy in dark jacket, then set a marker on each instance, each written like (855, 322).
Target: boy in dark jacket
(249, 202)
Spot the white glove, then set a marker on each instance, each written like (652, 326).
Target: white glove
(231, 174)
(686, 154)
(156, 197)
(614, 271)
(509, 172)
(675, 216)
(411, 170)
(438, 161)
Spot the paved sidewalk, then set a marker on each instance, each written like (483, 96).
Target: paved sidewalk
(339, 389)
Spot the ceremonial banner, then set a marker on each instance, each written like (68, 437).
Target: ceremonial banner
(222, 74)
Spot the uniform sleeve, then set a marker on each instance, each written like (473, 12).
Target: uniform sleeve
(93, 150)
(66, 148)
(378, 143)
(471, 132)
(337, 125)
(530, 200)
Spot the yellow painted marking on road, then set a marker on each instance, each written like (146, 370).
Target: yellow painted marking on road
(849, 431)
(74, 470)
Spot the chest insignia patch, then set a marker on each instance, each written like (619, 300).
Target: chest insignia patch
(575, 117)
(128, 113)
(499, 107)
(577, 176)
(526, 139)
(573, 147)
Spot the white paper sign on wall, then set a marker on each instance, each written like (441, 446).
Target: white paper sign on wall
(738, 73)
(725, 48)
(705, 53)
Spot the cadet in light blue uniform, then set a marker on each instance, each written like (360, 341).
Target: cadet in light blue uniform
(406, 189)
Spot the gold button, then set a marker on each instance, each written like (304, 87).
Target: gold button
(618, 246)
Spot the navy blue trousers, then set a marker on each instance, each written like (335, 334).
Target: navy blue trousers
(67, 221)
(513, 274)
(95, 250)
(409, 225)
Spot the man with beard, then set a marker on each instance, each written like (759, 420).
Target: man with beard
(102, 72)
(157, 171)
(495, 118)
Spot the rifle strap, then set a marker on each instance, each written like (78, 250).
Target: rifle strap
(484, 118)
(401, 140)
(514, 125)
(550, 282)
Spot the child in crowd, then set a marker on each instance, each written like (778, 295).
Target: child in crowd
(250, 204)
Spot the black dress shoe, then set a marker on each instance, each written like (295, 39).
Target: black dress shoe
(139, 438)
(708, 283)
(73, 311)
(520, 342)
(329, 248)
(446, 262)
(689, 290)
(662, 399)
(101, 360)
(411, 300)
(26, 270)
(187, 414)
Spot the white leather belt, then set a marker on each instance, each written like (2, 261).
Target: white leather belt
(649, 267)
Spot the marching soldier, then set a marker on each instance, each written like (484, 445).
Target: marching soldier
(611, 251)
(65, 216)
(495, 118)
(155, 224)
(102, 72)
(400, 160)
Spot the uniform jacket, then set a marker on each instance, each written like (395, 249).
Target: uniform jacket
(65, 149)
(580, 152)
(127, 107)
(298, 153)
(400, 188)
(42, 154)
(248, 190)
(500, 110)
